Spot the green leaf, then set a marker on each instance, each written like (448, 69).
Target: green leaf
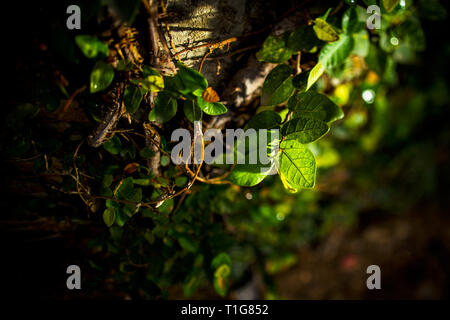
(109, 216)
(152, 81)
(192, 111)
(277, 86)
(324, 31)
(297, 166)
(221, 259)
(164, 109)
(350, 22)
(211, 108)
(274, 50)
(91, 46)
(164, 161)
(314, 105)
(101, 76)
(188, 244)
(300, 81)
(221, 279)
(303, 38)
(248, 175)
(267, 119)
(132, 98)
(314, 74)
(113, 145)
(126, 190)
(390, 4)
(334, 54)
(146, 153)
(190, 78)
(305, 130)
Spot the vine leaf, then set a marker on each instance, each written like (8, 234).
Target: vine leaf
(252, 174)
(132, 98)
(325, 31)
(297, 166)
(113, 145)
(303, 38)
(277, 86)
(334, 54)
(267, 119)
(314, 105)
(274, 50)
(190, 79)
(314, 75)
(152, 81)
(109, 216)
(248, 175)
(305, 130)
(101, 76)
(300, 81)
(164, 109)
(211, 108)
(91, 46)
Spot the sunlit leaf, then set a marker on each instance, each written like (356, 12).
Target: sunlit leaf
(91, 46)
(325, 31)
(101, 76)
(305, 130)
(274, 50)
(334, 54)
(277, 86)
(297, 164)
(314, 105)
(210, 108)
(314, 74)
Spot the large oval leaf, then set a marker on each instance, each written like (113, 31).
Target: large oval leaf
(109, 216)
(248, 175)
(101, 76)
(264, 120)
(314, 105)
(164, 109)
(132, 98)
(274, 50)
(303, 38)
(334, 54)
(325, 31)
(190, 78)
(305, 130)
(211, 108)
(297, 166)
(277, 86)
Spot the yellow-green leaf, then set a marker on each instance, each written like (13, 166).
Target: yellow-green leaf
(101, 76)
(324, 31)
(315, 74)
